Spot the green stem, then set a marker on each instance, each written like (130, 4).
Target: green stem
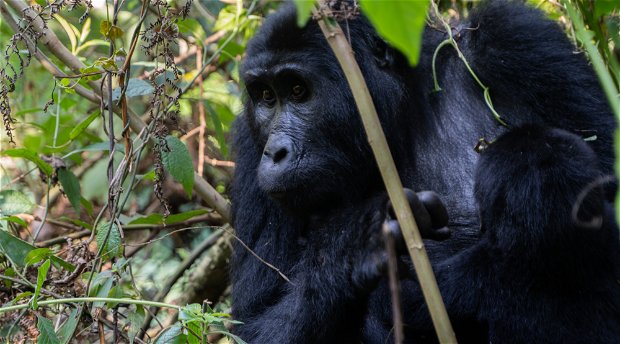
(451, 41)
(609, 87)
(92, 299)
(434, 64)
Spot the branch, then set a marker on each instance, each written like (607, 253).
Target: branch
(339, 44)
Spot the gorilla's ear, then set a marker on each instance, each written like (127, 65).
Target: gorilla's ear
(383, 53)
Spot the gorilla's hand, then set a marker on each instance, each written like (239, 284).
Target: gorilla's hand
(429, 212)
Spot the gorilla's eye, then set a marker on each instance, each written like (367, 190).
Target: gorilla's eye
(298, 91)
(268, 96)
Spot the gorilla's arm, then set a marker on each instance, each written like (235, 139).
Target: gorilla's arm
(534, 256)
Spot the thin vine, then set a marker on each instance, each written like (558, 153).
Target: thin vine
(452, 42)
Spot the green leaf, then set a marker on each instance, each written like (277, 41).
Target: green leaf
(158, 219)
(14, 248)
(178, 163)
(217, 124)
(68, 328)
(604, 7)
(69, 29)
(18, 251)
(37, 255)
(46, 331)
(227, 19)
(97, 147)
(135, 320)
(14, 219)
(22, 296)
(101, 287)
(32, 156)
(388, 18)
(71, 186)
(304, 9)
(115, 293)
(77, 222)
(41, 276)
(89, 210)
(172, 335)
(191, 317)
(194, 332)
(78, 129)
(14, 202)
(110, 31)
(112, 246)
(85, 30)
(65, 82)
(135, 88)
(59, 263)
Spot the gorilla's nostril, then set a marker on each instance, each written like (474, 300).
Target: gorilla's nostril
(280, 154)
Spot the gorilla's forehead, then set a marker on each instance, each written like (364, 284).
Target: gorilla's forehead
(268, 63)
(281, 42)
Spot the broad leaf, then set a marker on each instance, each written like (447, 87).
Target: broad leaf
(178, 163)
(400, 22)
(135, 88)
(37, 255)
(71, 186)
(112, 246)
(14, 202)
(304, 10)
(32, 156)
(172, 335)
(46, 331)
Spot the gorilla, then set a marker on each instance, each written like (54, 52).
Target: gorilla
(533, 255)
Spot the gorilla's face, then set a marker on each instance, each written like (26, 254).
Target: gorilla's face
(309, 131)
(303, 116)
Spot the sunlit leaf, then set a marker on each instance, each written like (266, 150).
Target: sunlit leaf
(32, 156)
(37, 255)
(304, 9)
(389, 18)
(14, 202)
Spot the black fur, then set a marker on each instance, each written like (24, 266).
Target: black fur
(308, 197)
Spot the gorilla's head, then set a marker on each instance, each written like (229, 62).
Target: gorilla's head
(302, 114)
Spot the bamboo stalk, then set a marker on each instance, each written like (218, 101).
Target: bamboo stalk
(339, 44)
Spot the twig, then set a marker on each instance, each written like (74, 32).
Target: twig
(397, 313)
(201, 115)
(30, 285)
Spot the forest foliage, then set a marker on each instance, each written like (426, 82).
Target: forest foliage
(114, 219)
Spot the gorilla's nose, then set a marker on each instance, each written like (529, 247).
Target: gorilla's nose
(279, 150)
(276, 164)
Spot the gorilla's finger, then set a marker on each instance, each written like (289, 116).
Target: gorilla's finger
(435, 207)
